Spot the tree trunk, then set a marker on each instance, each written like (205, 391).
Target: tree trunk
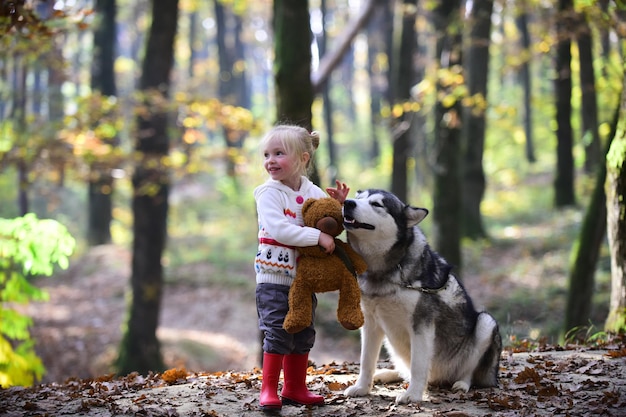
(232, 81)
(193, 41)
(345, 75)
(420, 132)
(102, 80)
(564, 179)
(526, 81)
(605, 39)
(292, 62)
(379, 35)
(292, 66)
(585, 254)
(56, 79)
(402, 80)
(447, 199)
(474, 124)
(140, 350)
(589, 104)
(616, 221)
(18, 114)
(326, 98)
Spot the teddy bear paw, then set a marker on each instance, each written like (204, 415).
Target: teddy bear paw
(351, 325)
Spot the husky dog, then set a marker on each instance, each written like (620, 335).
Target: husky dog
(412, 302)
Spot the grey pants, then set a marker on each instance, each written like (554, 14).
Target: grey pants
(272, 304)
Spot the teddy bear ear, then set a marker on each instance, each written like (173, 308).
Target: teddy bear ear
(307, 203)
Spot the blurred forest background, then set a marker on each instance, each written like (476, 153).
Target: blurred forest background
(135, 124)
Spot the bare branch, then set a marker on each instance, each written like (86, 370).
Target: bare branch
(330, 60)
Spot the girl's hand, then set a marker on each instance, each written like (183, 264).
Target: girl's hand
(327, 242)
(340, 193)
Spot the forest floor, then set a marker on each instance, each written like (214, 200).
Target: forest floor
(210, 341)
(554, 383)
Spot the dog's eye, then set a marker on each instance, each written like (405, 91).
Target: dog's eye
(376, 204)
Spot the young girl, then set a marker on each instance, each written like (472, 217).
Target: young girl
(287, 150)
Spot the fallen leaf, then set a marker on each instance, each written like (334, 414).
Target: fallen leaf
(503, 402)
(528, 375)
(547, 391)
(336, 386)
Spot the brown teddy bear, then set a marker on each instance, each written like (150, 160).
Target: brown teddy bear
(318, 271)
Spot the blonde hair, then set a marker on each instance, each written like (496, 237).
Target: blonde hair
(296, 140)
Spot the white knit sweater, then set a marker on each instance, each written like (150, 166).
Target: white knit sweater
(282, 230)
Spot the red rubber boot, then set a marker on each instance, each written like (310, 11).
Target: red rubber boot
(295, 391)
(272, 364)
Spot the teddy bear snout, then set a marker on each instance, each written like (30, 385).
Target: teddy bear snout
(329, 225)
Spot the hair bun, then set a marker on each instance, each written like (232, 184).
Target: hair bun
(315, 139)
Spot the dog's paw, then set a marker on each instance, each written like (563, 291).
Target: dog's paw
(357, 390)
(460, 386)
(409, 397)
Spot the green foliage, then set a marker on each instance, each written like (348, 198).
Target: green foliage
(6, 135)
(28, 246)
(589, 336)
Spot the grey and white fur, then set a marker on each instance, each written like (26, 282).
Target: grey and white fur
(415, 305)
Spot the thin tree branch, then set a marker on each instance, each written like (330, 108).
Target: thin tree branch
(330, 60)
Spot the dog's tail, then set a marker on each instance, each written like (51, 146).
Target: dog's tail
(486, 373)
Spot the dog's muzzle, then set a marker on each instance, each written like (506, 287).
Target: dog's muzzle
(349, 222)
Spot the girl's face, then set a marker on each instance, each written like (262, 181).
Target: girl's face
(282, 166)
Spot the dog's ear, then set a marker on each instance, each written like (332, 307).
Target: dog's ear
(414, 215)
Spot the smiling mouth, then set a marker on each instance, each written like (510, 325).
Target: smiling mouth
(350, 223)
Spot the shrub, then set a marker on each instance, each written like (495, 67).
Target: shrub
(28, 247)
